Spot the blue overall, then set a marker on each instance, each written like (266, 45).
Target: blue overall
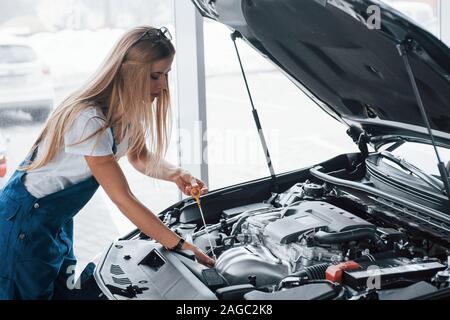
(36, 237)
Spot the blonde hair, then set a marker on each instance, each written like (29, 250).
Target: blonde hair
(121, 89)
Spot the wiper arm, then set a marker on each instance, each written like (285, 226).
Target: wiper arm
(425, 177)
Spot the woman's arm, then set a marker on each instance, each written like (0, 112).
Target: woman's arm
(169, 172)
(110, 176)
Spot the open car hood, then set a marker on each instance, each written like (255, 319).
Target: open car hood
(331, 51)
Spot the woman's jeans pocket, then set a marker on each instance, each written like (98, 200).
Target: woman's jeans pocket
(8, 207)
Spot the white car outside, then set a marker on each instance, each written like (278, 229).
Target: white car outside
(25, 80)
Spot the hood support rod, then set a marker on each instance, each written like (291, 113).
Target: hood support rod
(403, 49)
(262, 138)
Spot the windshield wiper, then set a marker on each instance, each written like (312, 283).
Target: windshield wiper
(403, 50)
(425, 177)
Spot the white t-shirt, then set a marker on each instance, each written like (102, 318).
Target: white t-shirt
(69, 166)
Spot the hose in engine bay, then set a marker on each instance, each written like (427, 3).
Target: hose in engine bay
(344, 236)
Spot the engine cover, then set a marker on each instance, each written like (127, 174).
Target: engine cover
(238, 263)
(144, 270)
(313, 215)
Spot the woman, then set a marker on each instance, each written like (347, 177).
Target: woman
(126, 102)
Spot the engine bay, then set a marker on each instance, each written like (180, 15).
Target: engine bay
(312, 241)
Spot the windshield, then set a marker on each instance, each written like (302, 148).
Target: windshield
(423, 156)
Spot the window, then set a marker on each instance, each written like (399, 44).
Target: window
(297, 131)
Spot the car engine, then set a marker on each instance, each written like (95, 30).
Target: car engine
(274, 243)
(304, 243)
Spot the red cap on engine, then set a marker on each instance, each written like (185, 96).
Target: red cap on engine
(334, 272)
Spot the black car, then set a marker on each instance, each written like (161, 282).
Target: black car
(366, 225)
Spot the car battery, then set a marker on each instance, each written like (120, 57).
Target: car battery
(383, 272)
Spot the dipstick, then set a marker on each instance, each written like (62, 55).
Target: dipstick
(195, 193)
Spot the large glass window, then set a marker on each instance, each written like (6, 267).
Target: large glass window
(48, 48)
(297, 131)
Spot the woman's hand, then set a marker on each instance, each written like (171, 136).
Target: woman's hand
(185, 182)
(200, 256)
(203, 258)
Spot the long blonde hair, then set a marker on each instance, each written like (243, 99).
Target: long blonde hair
(121, 89)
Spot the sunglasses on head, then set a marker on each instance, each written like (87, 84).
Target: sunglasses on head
(156, 35)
